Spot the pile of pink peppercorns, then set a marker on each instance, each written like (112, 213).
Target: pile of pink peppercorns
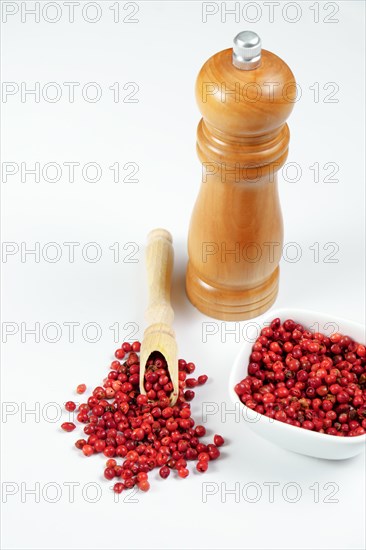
(307, 379)
(143, 430)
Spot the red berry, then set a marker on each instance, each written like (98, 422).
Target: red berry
(126, 346)
(190, 367)
(342, 397)
(88, 450)
(81, 388)
(167, 412)
(70, 406)
(164, 472)
(335, 388)
(118, 488)
(203, 457)
(189, 395)
(181, 463)
(109, 473)
(119, 353)
(183, 472)
(138, 434)
(199, 431)
(143, 485)
(109, 451)
(202, 466)
(99, 445)
(218, 440)
(68, 426)
(202, 379)
(213, 452)
(136, 347)
(141, 399)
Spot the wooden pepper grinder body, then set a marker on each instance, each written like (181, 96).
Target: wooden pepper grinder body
(245, 95)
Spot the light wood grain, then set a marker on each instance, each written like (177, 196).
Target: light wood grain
(236, 231)
(159, 335)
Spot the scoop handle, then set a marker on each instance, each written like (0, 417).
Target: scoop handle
(159, 265)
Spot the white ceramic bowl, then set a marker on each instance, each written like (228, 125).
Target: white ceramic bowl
(290, 437)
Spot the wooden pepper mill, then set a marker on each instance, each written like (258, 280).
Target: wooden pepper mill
(245, 95)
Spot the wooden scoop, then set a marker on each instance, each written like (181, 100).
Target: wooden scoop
(159, 335)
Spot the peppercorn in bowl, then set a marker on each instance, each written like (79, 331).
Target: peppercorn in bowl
(300, 380)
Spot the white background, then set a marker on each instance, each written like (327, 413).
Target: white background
(162, 53)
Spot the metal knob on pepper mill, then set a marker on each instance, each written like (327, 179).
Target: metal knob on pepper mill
(245, 95)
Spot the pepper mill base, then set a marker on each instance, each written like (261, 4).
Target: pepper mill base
(228, 304)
